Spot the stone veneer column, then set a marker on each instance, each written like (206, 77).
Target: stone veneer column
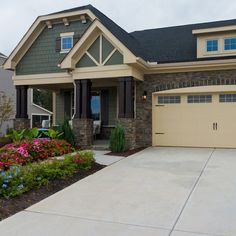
(83, 129)
(82, 122)
(130, 132)
(126, 110)
(21, 121)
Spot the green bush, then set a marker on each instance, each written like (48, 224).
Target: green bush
(20, 179)
(53, 134)
(30, 134)
(67, 132)
(117, 139)
(16, 135)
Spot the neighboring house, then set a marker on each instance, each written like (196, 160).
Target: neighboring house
(173, 86)
(36, 113)
(6, 85)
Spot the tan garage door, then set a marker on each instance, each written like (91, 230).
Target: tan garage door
(195, 120)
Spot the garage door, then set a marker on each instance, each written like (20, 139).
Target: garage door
(195, 120)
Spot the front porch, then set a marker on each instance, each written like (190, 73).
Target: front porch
(94, 106)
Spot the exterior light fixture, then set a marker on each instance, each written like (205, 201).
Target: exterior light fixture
(144, 96)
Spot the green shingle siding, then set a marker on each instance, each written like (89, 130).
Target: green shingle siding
(94, 50)
(107, 48)
(116, 59)
(85, 61)
(41, 57)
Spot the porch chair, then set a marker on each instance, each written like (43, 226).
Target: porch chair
(96, 128)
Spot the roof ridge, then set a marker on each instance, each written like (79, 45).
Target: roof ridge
(187, 25)
(88, 6)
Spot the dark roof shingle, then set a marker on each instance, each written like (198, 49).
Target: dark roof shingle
(162, 45)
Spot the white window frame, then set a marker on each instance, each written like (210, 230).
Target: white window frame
(67, 35)
(38, 114)
(212, 39)
(231, 50)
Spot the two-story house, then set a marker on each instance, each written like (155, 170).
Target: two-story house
(173, 86)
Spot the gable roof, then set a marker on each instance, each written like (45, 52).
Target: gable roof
(162, 45)
(175, 44)
(124, 37)
(3, 56)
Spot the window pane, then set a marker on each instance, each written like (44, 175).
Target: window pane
(168, 99)
(95, 107)
(227, 98)
(212, 45)
(199, 99)
(230, 44)
(66, 42)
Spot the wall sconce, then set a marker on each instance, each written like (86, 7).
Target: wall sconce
(144, 96)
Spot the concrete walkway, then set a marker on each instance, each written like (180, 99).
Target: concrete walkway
(106, 160)
(158, 192)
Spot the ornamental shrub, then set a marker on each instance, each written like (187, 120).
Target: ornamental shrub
(67, 132)
(117, 139)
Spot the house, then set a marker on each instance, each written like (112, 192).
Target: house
(173, 86)
(36, 113)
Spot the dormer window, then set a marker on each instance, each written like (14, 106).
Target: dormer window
(230, 44)
(212, 45)
(66, 42)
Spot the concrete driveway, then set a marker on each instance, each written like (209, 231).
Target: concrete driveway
(158, 192)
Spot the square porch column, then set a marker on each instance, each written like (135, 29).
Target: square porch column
(126, 110)
(82, 122)
(21, 120)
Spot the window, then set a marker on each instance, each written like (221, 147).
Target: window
(168, 99)
(227, 98)
(230, 44)
(212, 45)
(37, 120)
(96, 105)
(72, 103)
(199, 99)
(66, 43)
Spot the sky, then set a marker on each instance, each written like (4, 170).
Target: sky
(17, 15)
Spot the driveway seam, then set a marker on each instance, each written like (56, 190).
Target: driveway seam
(96, 220)
(191, 192)
(207, 234)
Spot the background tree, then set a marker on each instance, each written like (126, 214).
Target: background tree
(6, 108)
(43, 98)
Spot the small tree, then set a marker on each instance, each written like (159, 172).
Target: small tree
(6, 108)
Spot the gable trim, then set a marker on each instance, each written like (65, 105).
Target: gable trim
(33, 32)
(70, 60)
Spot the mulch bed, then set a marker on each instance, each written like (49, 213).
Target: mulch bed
(11, 206)
(126, 153)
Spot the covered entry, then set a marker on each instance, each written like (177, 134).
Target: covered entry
(195, 117)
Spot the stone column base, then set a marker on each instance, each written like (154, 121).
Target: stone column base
(21, 123)
(130, 131)
(83, 129)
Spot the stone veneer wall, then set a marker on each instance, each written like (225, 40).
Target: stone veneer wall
(130, 131)
(21, 123)
(83, 129)
(153, 83)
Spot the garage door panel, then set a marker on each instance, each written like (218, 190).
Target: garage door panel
(193, 124)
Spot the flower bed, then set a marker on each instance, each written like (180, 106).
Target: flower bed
(30, 151)
(20, 179)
